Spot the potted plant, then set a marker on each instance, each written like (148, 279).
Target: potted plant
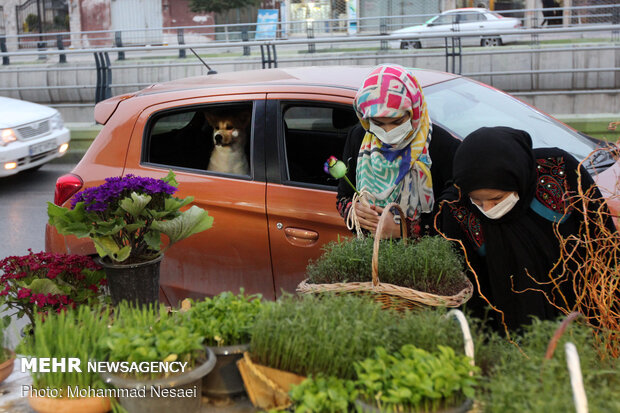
(143, 335)
(125, 218)
(532, 378)
(7, 356)
(407, 380)
(427, 271)
(326, 334)
(225, 322)
(68, 334)
(413, 379)
(49, 283)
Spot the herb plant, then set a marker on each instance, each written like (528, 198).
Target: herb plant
(328, 334)
(144, 335)
(413, 379)
(528, 383)
(408, 380)
(49, 283)
(429, 264)
(74, 333)
(126, 216)
(323, 394)
(225, 319)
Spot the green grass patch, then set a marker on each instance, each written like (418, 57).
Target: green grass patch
(525, 382)
(429, 264)
(597, 128)
(327, 334)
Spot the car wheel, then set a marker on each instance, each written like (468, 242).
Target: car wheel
(491, 41)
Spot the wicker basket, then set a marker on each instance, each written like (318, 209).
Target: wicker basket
(389, 295)
(267, 387)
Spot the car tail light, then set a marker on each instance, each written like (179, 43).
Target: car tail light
(66, 186)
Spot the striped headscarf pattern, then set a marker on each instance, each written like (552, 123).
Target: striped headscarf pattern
(395, 173)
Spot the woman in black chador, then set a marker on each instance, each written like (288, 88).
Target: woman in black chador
(510, 197)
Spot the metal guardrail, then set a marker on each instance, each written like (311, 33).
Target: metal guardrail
(579, 15)
(105, 87)
(325, 40)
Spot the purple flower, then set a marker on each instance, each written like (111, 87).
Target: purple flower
(99, 198)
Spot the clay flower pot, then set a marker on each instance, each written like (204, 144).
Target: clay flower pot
(62, 405)
(6, 368)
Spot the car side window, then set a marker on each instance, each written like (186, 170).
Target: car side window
(444, 19)
(313, 133)
(467, 17)
(214, 138)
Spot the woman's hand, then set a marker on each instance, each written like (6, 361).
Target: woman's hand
(368, 217)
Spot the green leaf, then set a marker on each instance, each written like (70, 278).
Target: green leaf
(44, 286)
(190, 222)
(135, 226)
(108, 228)
(135, 204)
(69, 221)
(122, 254)
(106, 247)
(173, 204)
(153, 239)
(170, 179)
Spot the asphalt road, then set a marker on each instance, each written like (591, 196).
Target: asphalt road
(23, 208)
(23, 214)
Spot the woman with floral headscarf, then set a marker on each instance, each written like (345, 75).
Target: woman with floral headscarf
(395, 154)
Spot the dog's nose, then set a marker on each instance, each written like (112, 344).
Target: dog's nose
(218, 139)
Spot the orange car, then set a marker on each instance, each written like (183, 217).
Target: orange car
(272, 217)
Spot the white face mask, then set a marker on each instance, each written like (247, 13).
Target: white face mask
(394, 136)
(500, 209)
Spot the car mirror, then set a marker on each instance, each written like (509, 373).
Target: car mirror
(430, 24)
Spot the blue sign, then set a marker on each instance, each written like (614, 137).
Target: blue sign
(267, 24)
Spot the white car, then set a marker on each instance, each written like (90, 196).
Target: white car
(467, 20)
(30, 135)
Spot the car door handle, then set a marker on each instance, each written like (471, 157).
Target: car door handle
(301, 237)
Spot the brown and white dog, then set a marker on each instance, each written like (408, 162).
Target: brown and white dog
(229, 140)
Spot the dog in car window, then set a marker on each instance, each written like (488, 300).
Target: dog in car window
(229, 139)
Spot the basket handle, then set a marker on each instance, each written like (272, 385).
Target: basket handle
(467, 338)
(375, 248)
(572, 361)
(576, 379)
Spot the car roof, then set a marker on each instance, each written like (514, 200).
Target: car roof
(343, 77)
(466, 9)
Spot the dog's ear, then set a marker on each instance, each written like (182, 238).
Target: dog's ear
(211, 119)
(243, 119)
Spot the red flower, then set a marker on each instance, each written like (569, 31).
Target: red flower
(51, 300)
(24, 293)
(16, 272)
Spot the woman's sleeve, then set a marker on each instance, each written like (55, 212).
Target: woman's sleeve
(349, 157)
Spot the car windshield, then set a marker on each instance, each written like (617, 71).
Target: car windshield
(462, 106)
